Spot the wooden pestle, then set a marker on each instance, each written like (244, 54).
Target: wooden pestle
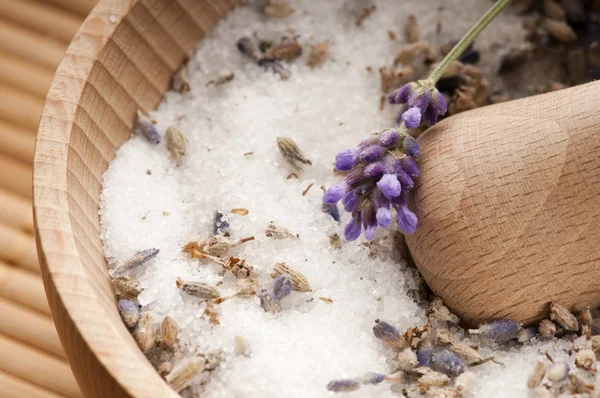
(508, 203)
(13, 387)
(18, 248)
(41, 17)
(23, 287)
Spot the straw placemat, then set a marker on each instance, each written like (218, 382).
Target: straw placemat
(34, 34)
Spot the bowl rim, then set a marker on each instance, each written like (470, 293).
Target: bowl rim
(86, 332)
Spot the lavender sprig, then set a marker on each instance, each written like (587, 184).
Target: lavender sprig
(382, 168)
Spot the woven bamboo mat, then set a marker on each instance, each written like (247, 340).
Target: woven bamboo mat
(34, 34)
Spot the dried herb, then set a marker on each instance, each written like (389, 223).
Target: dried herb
(201, 290)
(299, 281)
(563, 317)
(126, 287)
(279, 9)
(318, 54)
(130, 312)
(291, 153)
(221, 79)
(364, 14)
(278, 233)
(176, 144)
(145, 128)
(135, 262)
(182, 375)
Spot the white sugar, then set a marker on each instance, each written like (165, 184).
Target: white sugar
(149, 202)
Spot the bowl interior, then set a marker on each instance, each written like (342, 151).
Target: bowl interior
(122, 59)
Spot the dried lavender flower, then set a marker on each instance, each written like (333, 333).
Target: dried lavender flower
(277, 233)
(537, 374)
(145, 332)
(364, 13)
(213, 359)
(288, 50)
(299, 281)
(425, 353)
(126, 287)
(201, 290)
(247, 47)
(136, 261)
(499, 331)
(526, 334)
(268, 303)
(176, 144)
(448, 363)
(466, 353)
(291, 153)
(129, 311)
(219, 225)
(169, 331)
(246, 287)
(371, 378)
(432, 379)
(558, 371)
(276, 67)
(388, 334)
(547, 328)
(221, 79)
(343, 385)
(318, 54)
(216, 246)
(145, 128)
(443, 337)
(563, 317)
(282, 287)
(407, 359)
(182, 375)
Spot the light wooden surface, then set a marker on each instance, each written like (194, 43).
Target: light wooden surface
(509, 207)
(33, 37)
(121, 59)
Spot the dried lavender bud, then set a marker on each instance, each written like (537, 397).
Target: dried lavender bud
(526, 334)
(447, 363)
(241, 346)
(558, 371)
(388, 334)
(135, 262)
(246, 287)
(276, 67)
(411, 147)
(563, 317)
(332, 210)
(343, 385)
(126, 287)
(586, 359)
(541, 392)
(438, 311)
(407, 359)
(216, 246)
(169, 330)
(291, 153)
(364, 14)
(129, 311)
(145, 128)
(425, 353)
(466, 353)
(299, 281)
(500, 331)
(145, 332)
(278, 233)
(443, 337)
(247, 47)
(279, 9)
(268, 303)
(183, 375)
(282, 287)
(286, 51)
(180, 80)
(465, 383)
(411, 29)
(201, 290)
(417, 335)
(176, 144)
(560, 30)
(371, 378)
(221, 79)
(220, 226)
(537, 374)
(318, 54)
(165, 368)
(547, 328)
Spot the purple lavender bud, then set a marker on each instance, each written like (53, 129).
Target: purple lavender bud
(130, 312)
(376, 169)
(220, 226)
(558, 372)
(439, 102)
(371, 378)
(352, 230)
(332, 210)
(389, 186)
(355, 176)
(405, 180)
(401, 96)
(425, 353)
(447, 362)
(527, 334)
(399, 202)
(282, 287)
(430, 116)
(346, 159)
(384, 217)
(388, 334)
(246, 46)
(369, 222)
(343, 385)
(276, 67)
(268, 303)
(351, 200)
(388, 138)
(410, 146)
(372, 140)
(500, 331)
(372, 153)
(421, 101)
(145, 128)
(410, 166)
(335, 193)
(412, 117)
(406, 220)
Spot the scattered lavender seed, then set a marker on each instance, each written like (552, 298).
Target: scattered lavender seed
(220, 226)
(282, 287)
(388, 334)
(145, 128)
(425, 353)
(136, 261)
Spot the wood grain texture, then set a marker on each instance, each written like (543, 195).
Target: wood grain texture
(23, 287)
(16, 141)
(508, 207)
(110, 69)
(18, 248)
(22, 74)
(20, 107)
(15, 211)
(13, 387)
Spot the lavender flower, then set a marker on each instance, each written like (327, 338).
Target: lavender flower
(282, 287)
(372, 378)
(422, 104)
(447, 362)
(219, 225)
(425, 353)
(343, 385)
(381, 171)
(145, 128)
(332, 210)
(388, 334)
(500, 331)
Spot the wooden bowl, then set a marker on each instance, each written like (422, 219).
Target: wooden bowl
(122, 59)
